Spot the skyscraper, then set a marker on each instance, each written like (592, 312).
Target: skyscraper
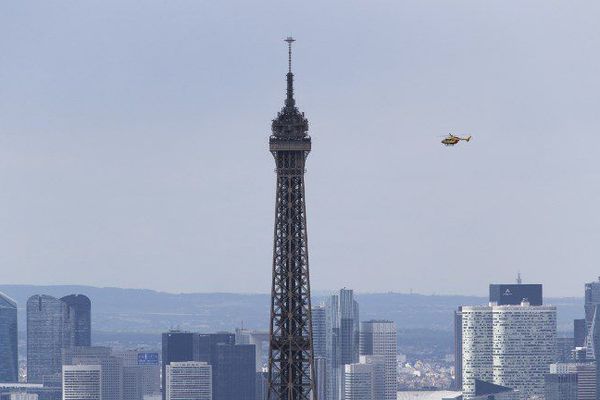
(511, 346)
(379, 338)
(141, 374)
(458, 350)
(189, 380)
(111, 367)
(291, 365)
(579, 332)
(560, 386)
(9, 363)
(47, 334)
(592, 299)
(79, 317)
(234, 372)
(319, 324)
(358, 382)
(342, 338)
(82, 382)
(178, 346)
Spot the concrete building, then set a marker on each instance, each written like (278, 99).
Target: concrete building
(189, 380)
(509, 346)
(379, 338)
(9, 363)
(82, 382)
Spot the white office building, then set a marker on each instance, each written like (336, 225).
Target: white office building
(190, 380)
(510, 345)
(82, 382)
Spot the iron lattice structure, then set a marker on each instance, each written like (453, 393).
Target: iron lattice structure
(291, 363)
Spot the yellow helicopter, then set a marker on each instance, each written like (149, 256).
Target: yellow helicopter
(451, 139)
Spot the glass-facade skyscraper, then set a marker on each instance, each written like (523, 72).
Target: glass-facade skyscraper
(342, 339)
(47, 334)
(79, 317)
(9, 363)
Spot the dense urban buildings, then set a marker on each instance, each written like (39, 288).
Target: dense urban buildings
(291, 365)
(141, 374)
(379, 338)
(111, 367)
(358, 382)
(511, 346)
(190, 380)
(9, 363)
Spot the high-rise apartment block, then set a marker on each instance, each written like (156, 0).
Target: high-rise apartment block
(9, 363)
(358, 382)
(379, 338)
(189, 380)
(511, 346)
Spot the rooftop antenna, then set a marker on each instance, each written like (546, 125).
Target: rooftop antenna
(519, 280)
(290, 102)
(289, 41)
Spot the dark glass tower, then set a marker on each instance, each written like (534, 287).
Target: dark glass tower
(291, 365)
(47, 334)
(234, 371)
(9, 363)
(79, 317)
(178, 346)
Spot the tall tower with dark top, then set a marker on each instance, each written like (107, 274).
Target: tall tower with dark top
(291, 365)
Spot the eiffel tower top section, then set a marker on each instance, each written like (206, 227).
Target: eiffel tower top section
(290, 124)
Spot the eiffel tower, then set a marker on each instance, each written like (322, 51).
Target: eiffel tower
(291, 365)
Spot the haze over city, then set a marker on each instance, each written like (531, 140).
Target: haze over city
(134, 143)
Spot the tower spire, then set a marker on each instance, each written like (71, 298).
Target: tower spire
(289, 101)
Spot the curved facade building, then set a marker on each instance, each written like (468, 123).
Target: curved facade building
(79, 318)
(47, 333)
(9, 362)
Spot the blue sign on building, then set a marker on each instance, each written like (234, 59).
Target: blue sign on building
(147, 358)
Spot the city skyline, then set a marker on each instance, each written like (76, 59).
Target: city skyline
(112, 158)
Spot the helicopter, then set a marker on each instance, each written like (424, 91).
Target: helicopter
(451, 139)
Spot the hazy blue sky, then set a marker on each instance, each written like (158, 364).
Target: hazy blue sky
(133, 142)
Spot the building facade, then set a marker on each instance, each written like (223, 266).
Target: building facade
(9, 362)
(342, 339)
(82, 382)
(560, 386)
(111, 367)
(509, 346)
(47, 334)
(79, 318)
(189, 380)
(358, 382)
(379, 338)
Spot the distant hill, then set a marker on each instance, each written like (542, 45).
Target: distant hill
(117, 310)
